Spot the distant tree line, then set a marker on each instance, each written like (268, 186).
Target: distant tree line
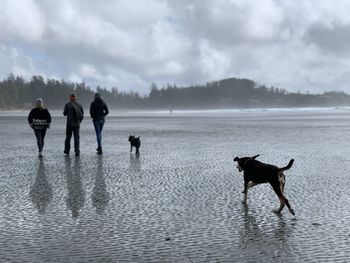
(17, 93)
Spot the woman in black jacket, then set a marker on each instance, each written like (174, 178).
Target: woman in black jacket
(98, 111)
(39, 119)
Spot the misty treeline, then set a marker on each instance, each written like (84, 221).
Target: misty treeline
(17, 93)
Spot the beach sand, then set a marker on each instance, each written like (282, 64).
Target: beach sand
(180, 200)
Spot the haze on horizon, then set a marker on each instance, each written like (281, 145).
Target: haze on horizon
(298, 46)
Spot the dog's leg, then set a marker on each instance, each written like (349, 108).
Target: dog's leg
(278, 192)
(283, 200)
(291, 210)
(282, 180)
(137, 151)
(250, 185)
(279, 210)
(245, 191)
(130, 148)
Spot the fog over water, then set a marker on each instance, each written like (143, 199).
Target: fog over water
(180, 200)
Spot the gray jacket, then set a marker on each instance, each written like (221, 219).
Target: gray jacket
(74, 112)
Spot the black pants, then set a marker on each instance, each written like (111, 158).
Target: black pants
(69, 131)
(40, 135)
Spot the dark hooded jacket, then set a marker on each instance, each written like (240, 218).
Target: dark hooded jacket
(39, 118)
(74, 112)
(98, 110)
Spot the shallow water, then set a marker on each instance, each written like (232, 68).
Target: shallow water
(181, 200)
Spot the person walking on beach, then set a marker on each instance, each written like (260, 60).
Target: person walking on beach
(75, 114)
(98, 111)
(39, 119)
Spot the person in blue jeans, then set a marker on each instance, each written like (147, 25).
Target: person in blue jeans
(98, 111)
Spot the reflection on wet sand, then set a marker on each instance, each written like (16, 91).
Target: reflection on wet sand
(41, 191)
(180, 201)
(76, 194)
(135, 163)
(100, 196)
(259, 237)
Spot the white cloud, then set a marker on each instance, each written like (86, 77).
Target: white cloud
(297, 46)
(15, 61)
(246, 19)
(213, 63)
(22, 20)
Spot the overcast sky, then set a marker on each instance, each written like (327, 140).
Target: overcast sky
(296, 45)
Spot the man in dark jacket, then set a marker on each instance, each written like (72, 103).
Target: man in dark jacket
(98, 111)
(75, 114)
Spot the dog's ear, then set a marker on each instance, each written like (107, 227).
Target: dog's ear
(255, 156)
(236, 159)
(139, 137)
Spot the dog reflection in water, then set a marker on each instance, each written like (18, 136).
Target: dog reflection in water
(41, 191)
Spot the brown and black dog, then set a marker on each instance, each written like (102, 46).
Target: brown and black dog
(256, 172)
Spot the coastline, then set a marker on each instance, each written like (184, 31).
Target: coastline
(197, 112)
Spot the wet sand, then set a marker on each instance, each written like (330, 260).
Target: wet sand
(180, 200)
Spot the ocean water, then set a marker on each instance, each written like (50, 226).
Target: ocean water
(180, 200)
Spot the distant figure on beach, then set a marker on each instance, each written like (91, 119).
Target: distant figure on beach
(75, 114)
(39, 119)
(98, 111)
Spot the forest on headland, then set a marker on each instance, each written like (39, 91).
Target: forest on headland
(17, 93)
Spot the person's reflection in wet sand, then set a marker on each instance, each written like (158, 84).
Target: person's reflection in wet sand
(76, 195)
(41, 191)
(100, 196)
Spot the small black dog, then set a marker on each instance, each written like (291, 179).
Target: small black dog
(135, 142)
(256, 172)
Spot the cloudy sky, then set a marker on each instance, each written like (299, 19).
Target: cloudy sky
(296, 45)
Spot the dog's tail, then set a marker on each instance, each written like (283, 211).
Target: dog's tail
(289, 165)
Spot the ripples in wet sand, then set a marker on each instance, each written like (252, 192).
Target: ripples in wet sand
(180, 200)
